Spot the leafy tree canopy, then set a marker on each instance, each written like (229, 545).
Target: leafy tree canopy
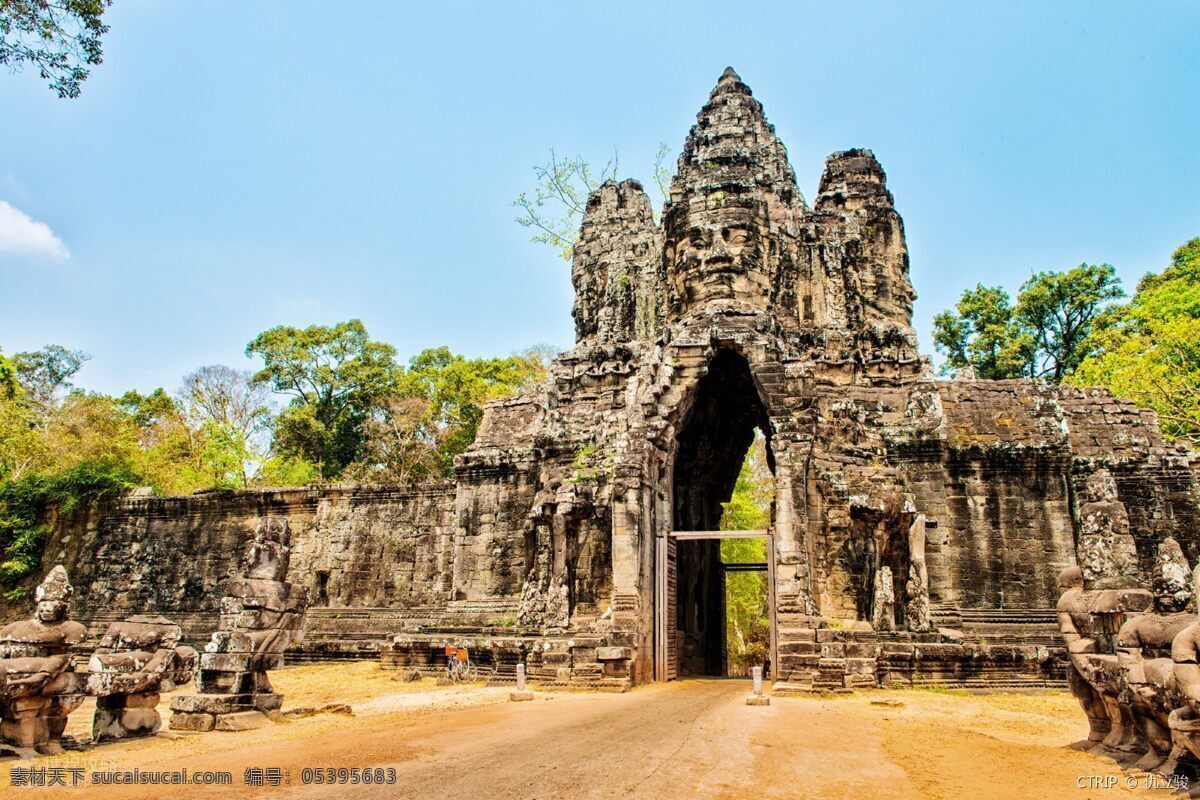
(61, 38)
(8, 377)
(1045, 334)
(435, 411)
(46, 374)
(1149, 349)
(335, 375)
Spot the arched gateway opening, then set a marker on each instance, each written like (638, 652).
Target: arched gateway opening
(699, 565)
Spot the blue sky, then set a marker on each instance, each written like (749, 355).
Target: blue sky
(233, 166)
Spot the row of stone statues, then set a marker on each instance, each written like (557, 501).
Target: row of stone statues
(1132, 652)
(141, 657)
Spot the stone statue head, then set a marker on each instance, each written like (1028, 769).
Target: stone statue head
(268, 557)
(715, 251)
(53, 597)
(1172, 577)
(272, 529)
(1100, 487)
(1070, 578)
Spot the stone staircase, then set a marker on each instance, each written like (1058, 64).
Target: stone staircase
(977, 649)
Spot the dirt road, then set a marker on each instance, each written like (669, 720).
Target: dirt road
(693, 739)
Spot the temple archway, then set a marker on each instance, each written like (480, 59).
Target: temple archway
(717, 428)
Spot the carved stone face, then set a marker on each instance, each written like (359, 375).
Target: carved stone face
(717, 255)
(50, 612)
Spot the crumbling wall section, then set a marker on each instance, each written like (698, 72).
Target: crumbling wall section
(353, 546)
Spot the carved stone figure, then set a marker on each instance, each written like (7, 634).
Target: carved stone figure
(1107, 552)
(558, 615)
(1144, 646)
(135, 661)
(262, 614)
(917, 610)
(41, 686)
(531, 609)
(884, 607)
(1172, 577)
(1184, 720)
(1075, 624)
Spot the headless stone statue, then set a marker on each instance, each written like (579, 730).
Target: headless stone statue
(558, 613)
(1075, 624)
(41, 686)
(917, 611)
(134, 662)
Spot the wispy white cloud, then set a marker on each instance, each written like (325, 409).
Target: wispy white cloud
(21, 234)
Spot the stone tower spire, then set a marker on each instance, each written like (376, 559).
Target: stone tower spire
(733, 149)
(854, 187)
(615, 266)
(732, 191)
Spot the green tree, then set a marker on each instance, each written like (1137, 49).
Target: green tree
(401, 443)
(8, 378)
(46, 374)
(233, 414)
(335, 376)
(982, 334)
(454, 389)
(61, 38)
(1149, 349)
(1045, 334)
(1059, 309)
(18, 424)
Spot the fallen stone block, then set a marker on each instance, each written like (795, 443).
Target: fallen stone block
(241, 721)
(183, 721)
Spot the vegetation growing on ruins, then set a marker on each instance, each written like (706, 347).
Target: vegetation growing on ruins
(24, 501)
(555, 209)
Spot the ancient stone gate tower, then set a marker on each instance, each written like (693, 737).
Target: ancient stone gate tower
(918, 525)
(748, 309)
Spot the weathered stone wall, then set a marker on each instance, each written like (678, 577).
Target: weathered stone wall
(354, 546)
(998, 527)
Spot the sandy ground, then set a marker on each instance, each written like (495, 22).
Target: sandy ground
(691, 739)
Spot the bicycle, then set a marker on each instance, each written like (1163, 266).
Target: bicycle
(459, 666)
